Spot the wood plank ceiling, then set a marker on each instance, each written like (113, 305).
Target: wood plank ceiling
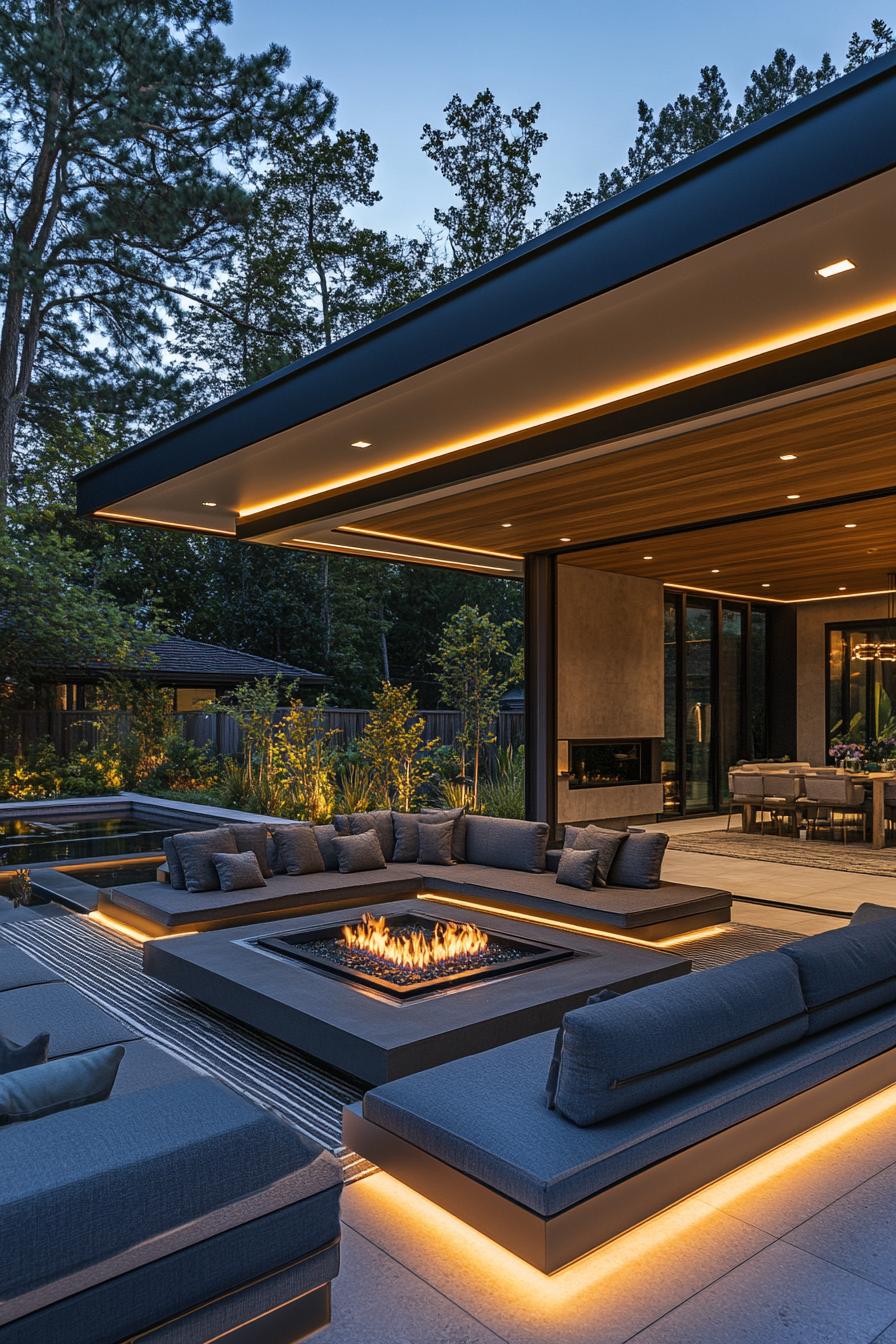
(843, 442)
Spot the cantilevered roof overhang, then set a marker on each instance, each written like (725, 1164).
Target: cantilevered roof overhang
(629, 372)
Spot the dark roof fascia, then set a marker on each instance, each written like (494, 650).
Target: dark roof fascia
(819, 145)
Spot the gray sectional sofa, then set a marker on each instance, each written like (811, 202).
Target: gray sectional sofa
(502, 863)
(175, 1209)
(557, 1143)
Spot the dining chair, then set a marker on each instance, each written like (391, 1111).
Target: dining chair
(783, 797)
(745, 790)
(836, 796)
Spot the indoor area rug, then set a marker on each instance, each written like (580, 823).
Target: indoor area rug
(854, 857)
(108, 969)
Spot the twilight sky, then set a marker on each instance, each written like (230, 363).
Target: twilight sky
(395, 64)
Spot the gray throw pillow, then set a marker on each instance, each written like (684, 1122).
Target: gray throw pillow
(639, 861)
(359, 853)
(325, 835)
(60, 1085)
(459, 816)
(505, 842)
(238, 872)
(274, 860)
(14, 1056)
(298, 850)
(253, 835)
(605, 844)
(578, 868)
(550, 1091)
(406, 827)
(381, 822)
(175, 867)
(195, 850)
(436, 842)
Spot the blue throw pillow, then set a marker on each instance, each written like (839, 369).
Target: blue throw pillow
(60, 1085)
(14, 1056)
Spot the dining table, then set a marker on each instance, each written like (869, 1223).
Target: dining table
(874, 782)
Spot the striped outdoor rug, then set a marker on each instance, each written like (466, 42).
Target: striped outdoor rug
(835, 856)
(108, 969)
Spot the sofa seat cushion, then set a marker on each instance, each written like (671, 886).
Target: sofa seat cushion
(17, 969)
(147, 1163)
(485, 1115)
(617, 907)
(182, 909)
(503, 842)
(661, 1038)
(846, 972)
(73, 1022)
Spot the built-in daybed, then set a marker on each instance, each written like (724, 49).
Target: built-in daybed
(555, 1144)
(499, 863)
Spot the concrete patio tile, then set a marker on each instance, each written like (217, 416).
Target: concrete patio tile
(858, 1232)
(376, 1301)
(792, 1185)
(781, 1296)
(603, 1299)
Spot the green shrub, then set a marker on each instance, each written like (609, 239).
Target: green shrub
(502, 793)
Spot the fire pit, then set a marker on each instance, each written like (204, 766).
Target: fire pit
(410, 955)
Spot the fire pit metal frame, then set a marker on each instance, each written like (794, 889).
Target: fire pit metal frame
(294, 945)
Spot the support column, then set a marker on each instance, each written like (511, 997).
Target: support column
(541, 688)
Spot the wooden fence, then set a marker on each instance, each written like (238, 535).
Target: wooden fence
(69, 729)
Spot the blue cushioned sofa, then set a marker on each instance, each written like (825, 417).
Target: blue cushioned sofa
(175, 1210)
(555, 1144)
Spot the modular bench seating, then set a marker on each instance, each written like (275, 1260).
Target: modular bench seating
(175, 1210)
(505, 865)
(555, 1144)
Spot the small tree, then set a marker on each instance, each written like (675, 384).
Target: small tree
(474, 667)
(394, 748)
(253, 706)
(305, 761)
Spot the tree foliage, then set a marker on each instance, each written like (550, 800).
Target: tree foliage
(395, 750)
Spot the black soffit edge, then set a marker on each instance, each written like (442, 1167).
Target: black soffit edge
(820, 145)
(784, 375)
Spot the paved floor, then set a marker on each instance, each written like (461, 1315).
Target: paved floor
(797, 1249)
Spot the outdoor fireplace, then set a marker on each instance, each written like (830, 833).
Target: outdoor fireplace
(410, 955)
(607, 764)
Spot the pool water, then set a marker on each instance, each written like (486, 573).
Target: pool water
(28, 841)
(115, 875)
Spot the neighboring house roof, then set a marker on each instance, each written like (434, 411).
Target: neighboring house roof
(192, 662)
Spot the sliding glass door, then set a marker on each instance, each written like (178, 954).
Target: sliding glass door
(714, 655)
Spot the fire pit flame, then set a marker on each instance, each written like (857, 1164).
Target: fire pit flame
(412, 948)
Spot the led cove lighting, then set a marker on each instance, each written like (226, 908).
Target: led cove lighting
(307, 544)
(662, 379)
(425, 541)
(836, 268)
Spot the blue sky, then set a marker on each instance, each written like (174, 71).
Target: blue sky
(395, 64)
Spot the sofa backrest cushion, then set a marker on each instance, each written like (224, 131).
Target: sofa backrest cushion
(381, 822)
(459, 816)
(325, 835)
(846, 972)
(59, 1085)
(502, 842)
(13, 1056)
(665, 1037)
(253, 835)
(868, 911)
(639, 861)
(195, 850)
(175, 868)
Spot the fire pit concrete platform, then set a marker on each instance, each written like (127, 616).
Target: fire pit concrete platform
(255, 975)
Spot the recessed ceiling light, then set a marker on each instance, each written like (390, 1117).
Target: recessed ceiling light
(842, 588)
(715, 571)
(209, 504)
(648, 557)
(566, 538)
(850, 524)
(793, 496)
(361, 443)
(788, 457)
(836, 268)
(766, 585)
(507, 524)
